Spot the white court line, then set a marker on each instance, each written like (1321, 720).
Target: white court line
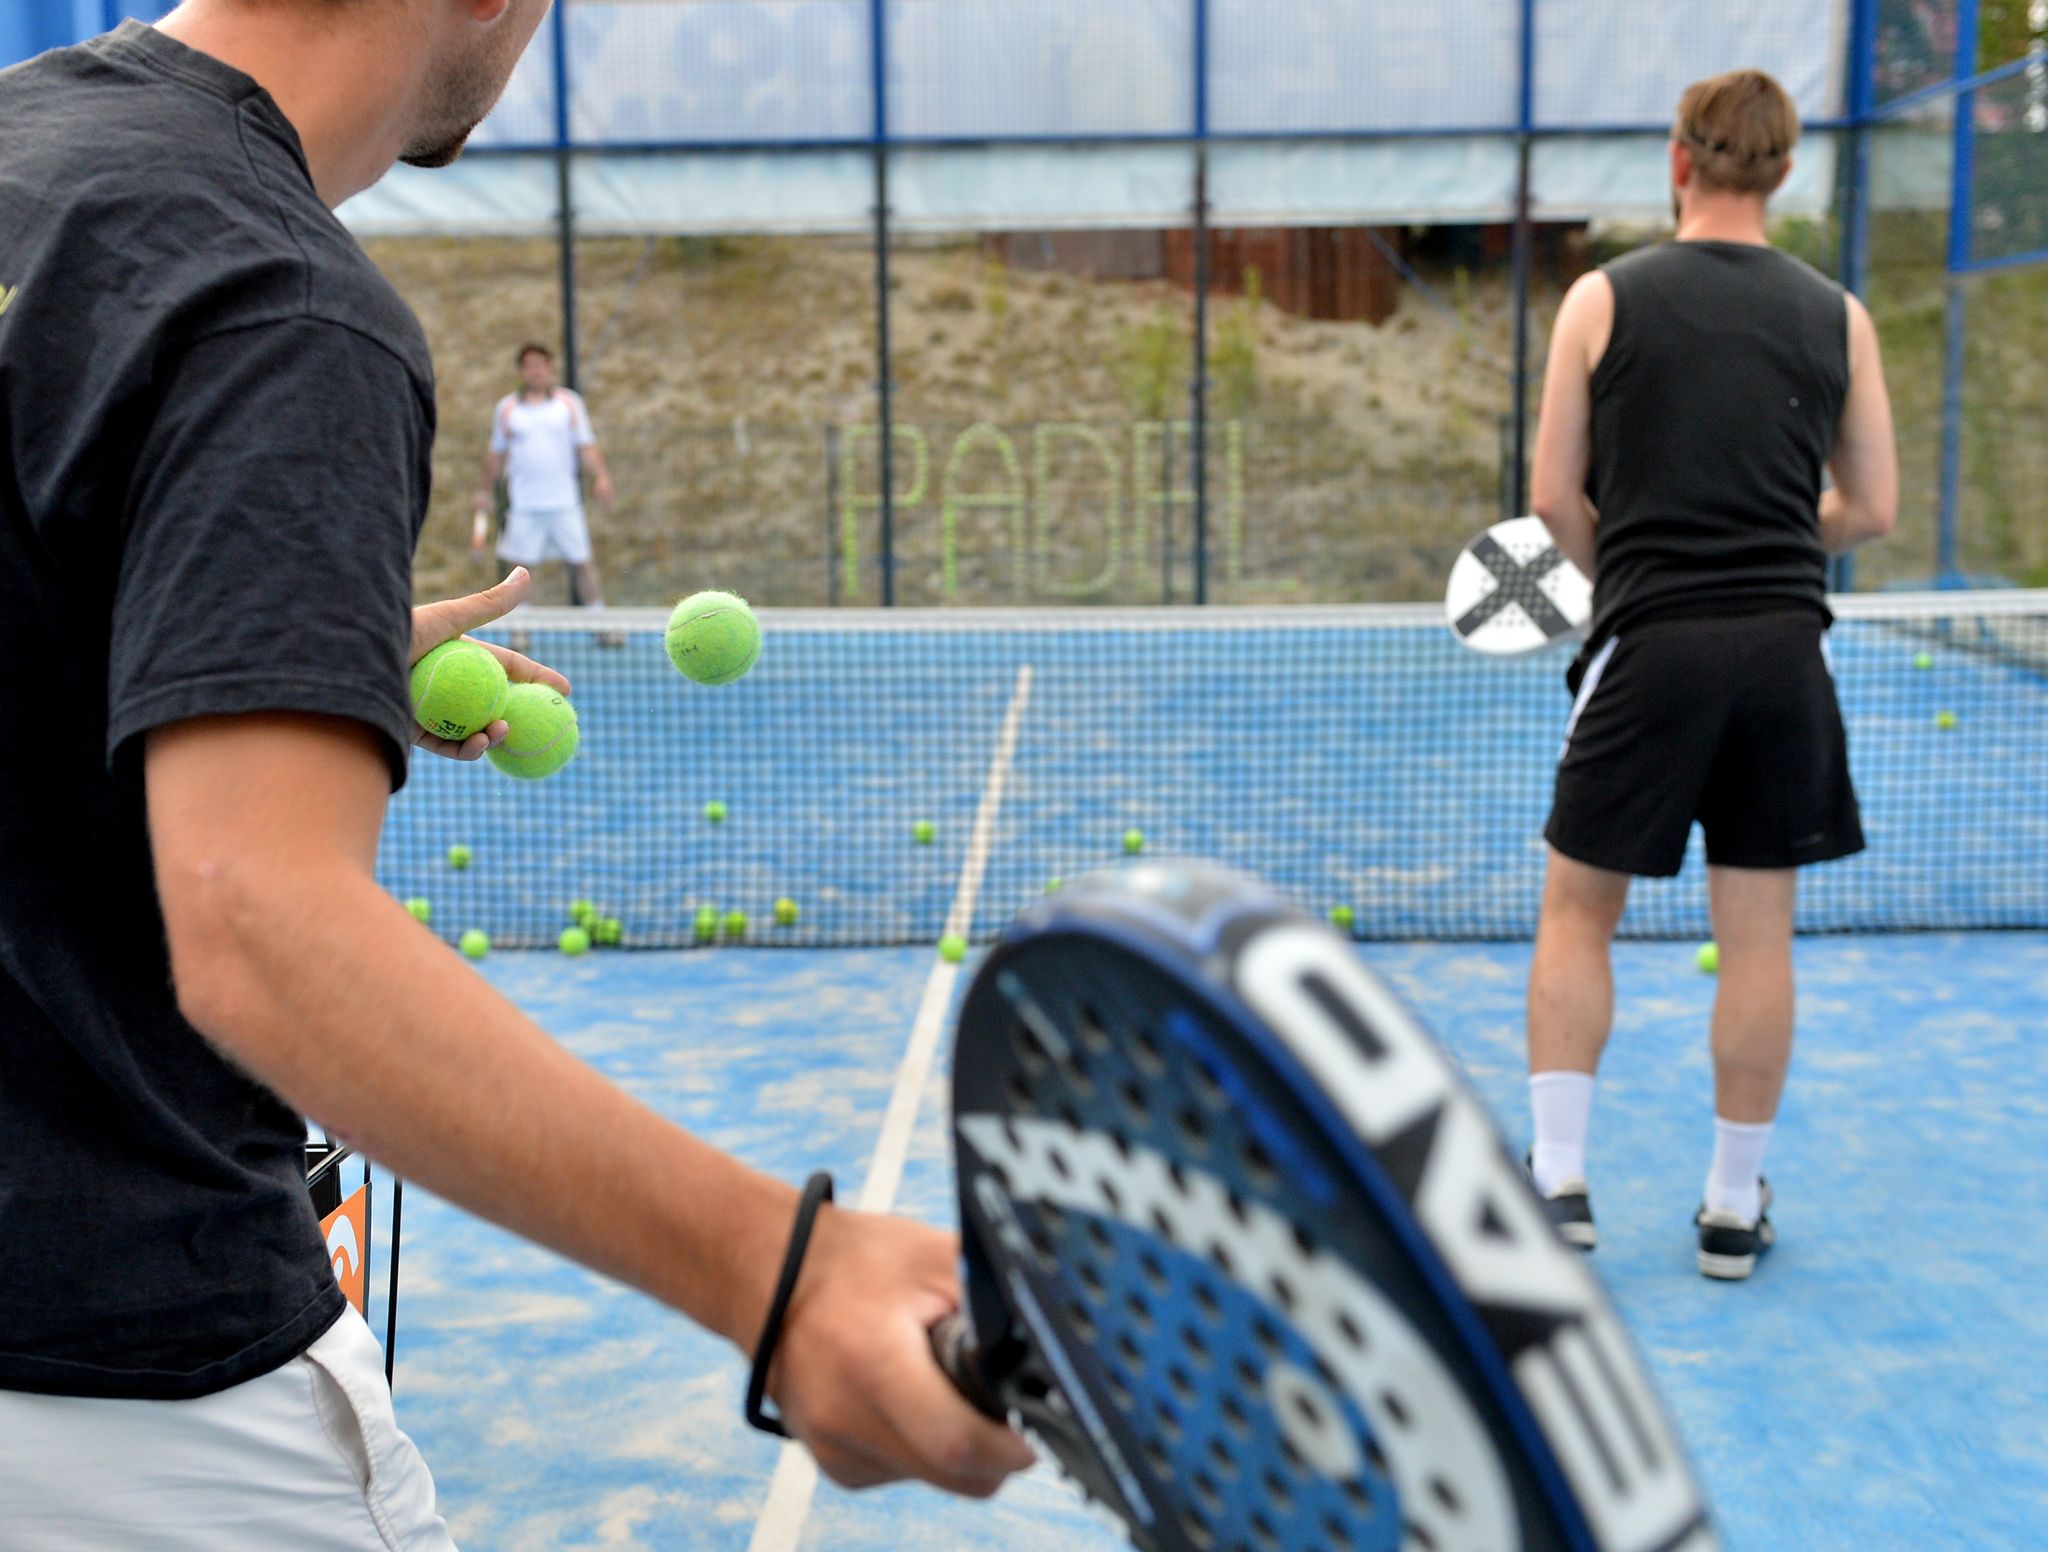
(796, 1474)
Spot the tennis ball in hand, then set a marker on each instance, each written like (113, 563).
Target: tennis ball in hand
(924, 832)
(608, 931)
(1341, 917)
(475, 944)
(419, 910)
(458, 857)
(952, 948)
(712, 638)
(706, 924)
(715, 811)
(786, 912)
(573, 941)
(1945, 720)
(458, 689)
(541, 735)
(1134, 841)
(1708, 958)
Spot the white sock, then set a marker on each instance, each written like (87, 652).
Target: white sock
(1562, 1104)
(1735, 1179)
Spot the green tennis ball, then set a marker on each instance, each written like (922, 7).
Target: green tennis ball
(924, 832)
(706, 924)
(786, 912)
(458, 689)
(1341, 917)
(1708, 958)
(541, 734)
(1134, 841)
(712, 638)
(1923, 660)
(735, 924)
(1945, 720)
(582, 912)
(608, 932)
(419, 910)
(458, 857)
(573, 941)
(475, 944)
(715, 811)
(1054, 885)
(952, 948)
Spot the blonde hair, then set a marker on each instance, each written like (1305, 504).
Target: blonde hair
(1740, 128)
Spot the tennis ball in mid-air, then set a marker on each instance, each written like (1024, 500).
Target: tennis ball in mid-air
(735, 924)
(458, 689)
(924, 832)
(952, 948)
(458, 857)
(1945, 720)
(706, 924)
(786, 912)
(1708, 958)
(712, 638)
(573, 941)
(1134, 841)
(419, 910)
(715, 811)
(475, 944)
(608, 931)
(1923, 660)
(1341, 917)
(541, 734)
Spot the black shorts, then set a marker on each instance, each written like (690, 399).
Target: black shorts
(1731, 722)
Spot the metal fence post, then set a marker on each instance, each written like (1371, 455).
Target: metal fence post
(884, 385)
(1524, 237)
(1853, 257)
(565, 210)
(1955, 334)
(1198, 390)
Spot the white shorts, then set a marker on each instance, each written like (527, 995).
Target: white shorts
(307, 1458)
(536, 534)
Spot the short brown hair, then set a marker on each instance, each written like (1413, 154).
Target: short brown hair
(1740, 128)
(531, 349)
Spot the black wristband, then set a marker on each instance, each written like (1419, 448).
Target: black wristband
(817, 1192)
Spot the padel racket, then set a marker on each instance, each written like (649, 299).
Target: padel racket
(1248, 1259)
(1512, 592)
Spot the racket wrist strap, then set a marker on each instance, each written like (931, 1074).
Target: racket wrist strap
(817, 1192)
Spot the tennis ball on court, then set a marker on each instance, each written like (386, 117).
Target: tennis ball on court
(706, 924)
(924, 832)
(712, 638)
(715, 811)
(952, 948)
(608, 932)
(582, 912)
(573, 941)
(419, 910)
(1341, 917)
(1134, 841)
(1945, 720)
(458, 689)
(475, 944)
(1708, 958)
(1054, 885)
(458, 857)
(541, 735)
(786, 912)
(1923, 660)
(735, 924)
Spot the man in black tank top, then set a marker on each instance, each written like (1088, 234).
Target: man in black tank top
(1695, 393)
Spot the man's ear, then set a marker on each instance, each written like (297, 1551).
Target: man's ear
(1681, 165)
(488, 11)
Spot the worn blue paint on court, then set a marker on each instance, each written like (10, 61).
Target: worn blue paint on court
(1877, 1386)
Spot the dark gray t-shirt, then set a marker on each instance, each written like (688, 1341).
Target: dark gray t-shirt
(215, 421)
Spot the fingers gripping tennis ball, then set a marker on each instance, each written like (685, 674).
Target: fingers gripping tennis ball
(459, 857)
(541, 734)
(458, 689)
(786, 912)
(712, 638)
(475, 944)
(1134, 841)
(1708, 958)
(573, 941)
(952, 948)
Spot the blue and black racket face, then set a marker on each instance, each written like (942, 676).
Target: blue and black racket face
(1248, 1259)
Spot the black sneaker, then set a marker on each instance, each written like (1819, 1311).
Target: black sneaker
(1730, 1247)
(1571, 1210)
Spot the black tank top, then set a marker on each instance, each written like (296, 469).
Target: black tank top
(1715, 408)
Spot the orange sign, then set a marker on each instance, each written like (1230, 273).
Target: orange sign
(348, 1241)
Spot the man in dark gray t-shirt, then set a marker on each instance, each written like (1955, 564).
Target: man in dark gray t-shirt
(215, 427)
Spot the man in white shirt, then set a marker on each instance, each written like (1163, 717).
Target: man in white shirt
(542, 443)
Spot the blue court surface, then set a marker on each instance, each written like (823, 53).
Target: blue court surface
(1878, 1385)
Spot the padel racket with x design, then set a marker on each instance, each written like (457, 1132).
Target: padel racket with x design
(1247, 1257)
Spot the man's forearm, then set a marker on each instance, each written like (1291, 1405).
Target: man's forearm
(468, 1098)
(1573, 526)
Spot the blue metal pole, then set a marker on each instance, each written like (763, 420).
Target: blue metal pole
(1962, 170)
(565, 208)
(1853, 260)
(878, 64)
(1198, 390)
(1524, 240)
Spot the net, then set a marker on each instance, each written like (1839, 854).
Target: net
(1353, 756)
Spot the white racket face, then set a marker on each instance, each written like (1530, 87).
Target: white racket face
(1275, 1284)
(1512, 593)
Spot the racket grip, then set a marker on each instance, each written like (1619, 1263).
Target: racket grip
(953, 1347)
